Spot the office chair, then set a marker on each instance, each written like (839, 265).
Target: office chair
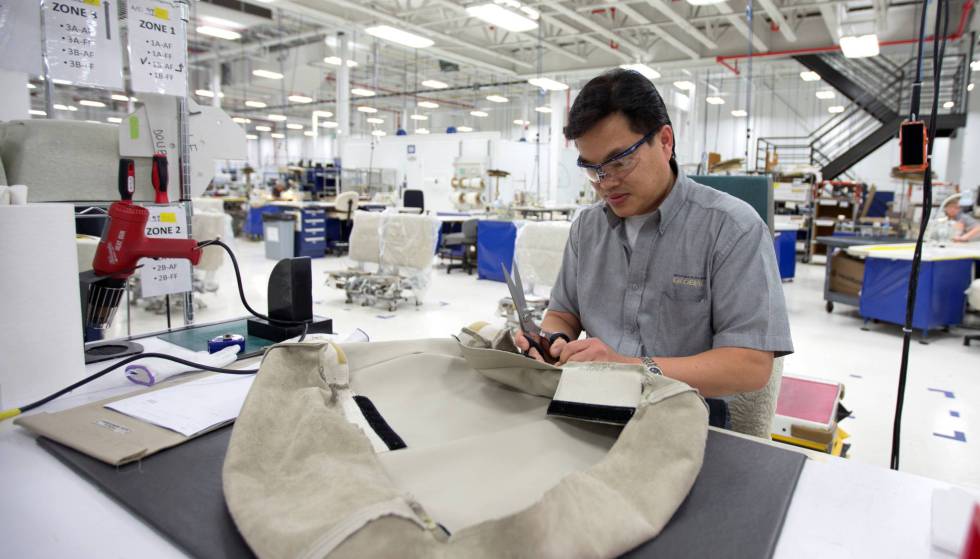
(466, 239)
(344, 207)
(412, 198)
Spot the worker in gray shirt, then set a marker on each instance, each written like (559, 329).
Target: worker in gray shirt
(664, 271)
(965, 227)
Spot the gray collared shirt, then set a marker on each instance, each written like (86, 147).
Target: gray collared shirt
(701, 275)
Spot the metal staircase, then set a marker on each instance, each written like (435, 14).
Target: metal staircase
(877, 90)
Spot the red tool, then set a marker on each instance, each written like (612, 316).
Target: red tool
(127, 179)
(124, 242)
(160, 178)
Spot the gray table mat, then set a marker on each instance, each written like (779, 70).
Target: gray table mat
(735, 509)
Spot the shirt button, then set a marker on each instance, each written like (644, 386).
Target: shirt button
(635, 286)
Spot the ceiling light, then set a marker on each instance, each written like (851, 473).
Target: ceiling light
(87, 103)
(861, 46)
(520, 122)
(31, 86)
(464, 129)
(221, 22)
(277, 118)
(218, 32)
(378, 133)
(36, 112)
(975, 66)
(93, 122)
(835, 109)
(240, 120)
(251, 137)
(739, 113)
(548, 84)
(60, 107)
(480, 114)
(825, 94)
(435, 84)
(502, 17)
(394, 35)
(421, 130)
(329, 124)
(810, 76)
(969, 87)
(949, 105)
(263, 129)
(294, 126)
(543, 109)
(684, 85)
(361, 92)
(704, 2)
(277, 135)
(207, 93)
(60, 82)
(118, 97)
(267, 74)
(715, 101)
(646, 71)
(255, 104)
(497, 98)
(366, 109)
(428, 105)
(335, 61)
(375, 120)
(300, 99)
(418, 117)
(113, 119)
(309, 133)
(324, 114)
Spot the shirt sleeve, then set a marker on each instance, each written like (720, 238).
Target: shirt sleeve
(747, 307)
(564, 294)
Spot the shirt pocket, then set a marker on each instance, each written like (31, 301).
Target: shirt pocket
(684, 321)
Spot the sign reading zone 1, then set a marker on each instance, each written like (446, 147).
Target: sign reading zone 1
(157, 57)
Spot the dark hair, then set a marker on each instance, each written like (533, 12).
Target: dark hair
(624, 91)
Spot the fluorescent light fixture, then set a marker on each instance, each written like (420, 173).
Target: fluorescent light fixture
(949, 105)
(861, 46)
(375, 120)
(418, 117)
(113, 119)
(463, 129)
(56, 81)
(480, 114)
(251, 137)
(404, 38)
(378, 133)
(87, 103)
(502, 17)
(93, 121)
(520, 122)
(277, 118)
(361, 92)
(218, 32)
(220, 22)
(294, 126)
(715, 100)
(309, 133)
(975, 66)
(240, 120)
(366, 109)
(267, 74)
(810, 76)
(255, 104)
(421, 130)
(543, 109)
(435, 84)
(263, 128)
(835, 109)
(335, 61)
(739, 113)
(497, 98)
(324, 114)
(60, 107)
(684, 85)
(548, 84)
(428, 105)
(704, 2)
(207, 93)
(118, 97)
(329, 124)
(277, 135)
(969, 87)
(36, 112)
(646, 71)
(300, 99)
(826, 94)
(31, 86)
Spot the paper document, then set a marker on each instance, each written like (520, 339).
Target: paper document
(192, 407)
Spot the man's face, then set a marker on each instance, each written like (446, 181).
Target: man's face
(952, 210)
(641, 189)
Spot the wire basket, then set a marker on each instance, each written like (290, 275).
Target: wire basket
(102, 304)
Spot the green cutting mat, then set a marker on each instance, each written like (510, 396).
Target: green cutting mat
(196, 338)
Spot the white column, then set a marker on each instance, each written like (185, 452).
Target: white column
(216, 83)
(556, 140)
(343, 95)
(15, 98)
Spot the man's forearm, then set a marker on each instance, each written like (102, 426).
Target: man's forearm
(558, 321)
(721, 371)
(972, 233)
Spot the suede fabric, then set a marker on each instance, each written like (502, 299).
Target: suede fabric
(301, 480)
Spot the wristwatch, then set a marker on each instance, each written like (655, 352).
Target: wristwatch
(652, 366)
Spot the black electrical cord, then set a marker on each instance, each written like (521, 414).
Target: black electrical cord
(938, 52)
(13, 412)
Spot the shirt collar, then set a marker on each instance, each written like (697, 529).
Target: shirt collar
(667, 210)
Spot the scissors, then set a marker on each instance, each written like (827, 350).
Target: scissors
(532, 332)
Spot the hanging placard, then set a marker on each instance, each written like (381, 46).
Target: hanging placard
(82, 42)
(166, 275)
(20, 36)
(157, 58)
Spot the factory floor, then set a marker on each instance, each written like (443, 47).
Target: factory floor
(941, 427)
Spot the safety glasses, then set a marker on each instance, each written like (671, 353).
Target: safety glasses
(617, 166)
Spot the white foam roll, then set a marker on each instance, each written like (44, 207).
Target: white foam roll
(18, 195)
(473, 183)
(473, 198)
(4, 195)
(40, 311)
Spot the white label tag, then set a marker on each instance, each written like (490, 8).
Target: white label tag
(82, 42)
(157, 63)
(167, 275)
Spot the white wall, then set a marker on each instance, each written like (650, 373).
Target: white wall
(15, 99)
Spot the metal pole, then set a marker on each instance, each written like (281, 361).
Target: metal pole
(48, 86)
(184, 154)
(748, 86)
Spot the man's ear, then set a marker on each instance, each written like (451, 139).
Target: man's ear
(667, 140)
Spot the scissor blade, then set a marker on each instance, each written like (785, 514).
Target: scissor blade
(520, 303)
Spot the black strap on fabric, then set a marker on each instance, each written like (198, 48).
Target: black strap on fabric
(378, 423)
(619, 415)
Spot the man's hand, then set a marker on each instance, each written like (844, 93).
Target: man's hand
(590, 349)
(960, 239)
(554, 350)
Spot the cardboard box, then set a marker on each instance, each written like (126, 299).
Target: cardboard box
(846, 274)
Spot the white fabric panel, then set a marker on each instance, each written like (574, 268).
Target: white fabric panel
(206, 226)
(409, 241)
(538, 251)
(365, 237)
(212, 205)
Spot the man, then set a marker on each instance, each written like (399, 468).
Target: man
(965, 227)
(663, 272)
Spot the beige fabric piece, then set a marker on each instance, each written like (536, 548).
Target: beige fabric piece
(408, 241)
(301, 481)
(752, 412)
(538, 251)
(365, 237)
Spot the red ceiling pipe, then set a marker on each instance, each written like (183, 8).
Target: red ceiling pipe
(960, 29)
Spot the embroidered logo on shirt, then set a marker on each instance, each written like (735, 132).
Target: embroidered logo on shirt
(688, 281)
